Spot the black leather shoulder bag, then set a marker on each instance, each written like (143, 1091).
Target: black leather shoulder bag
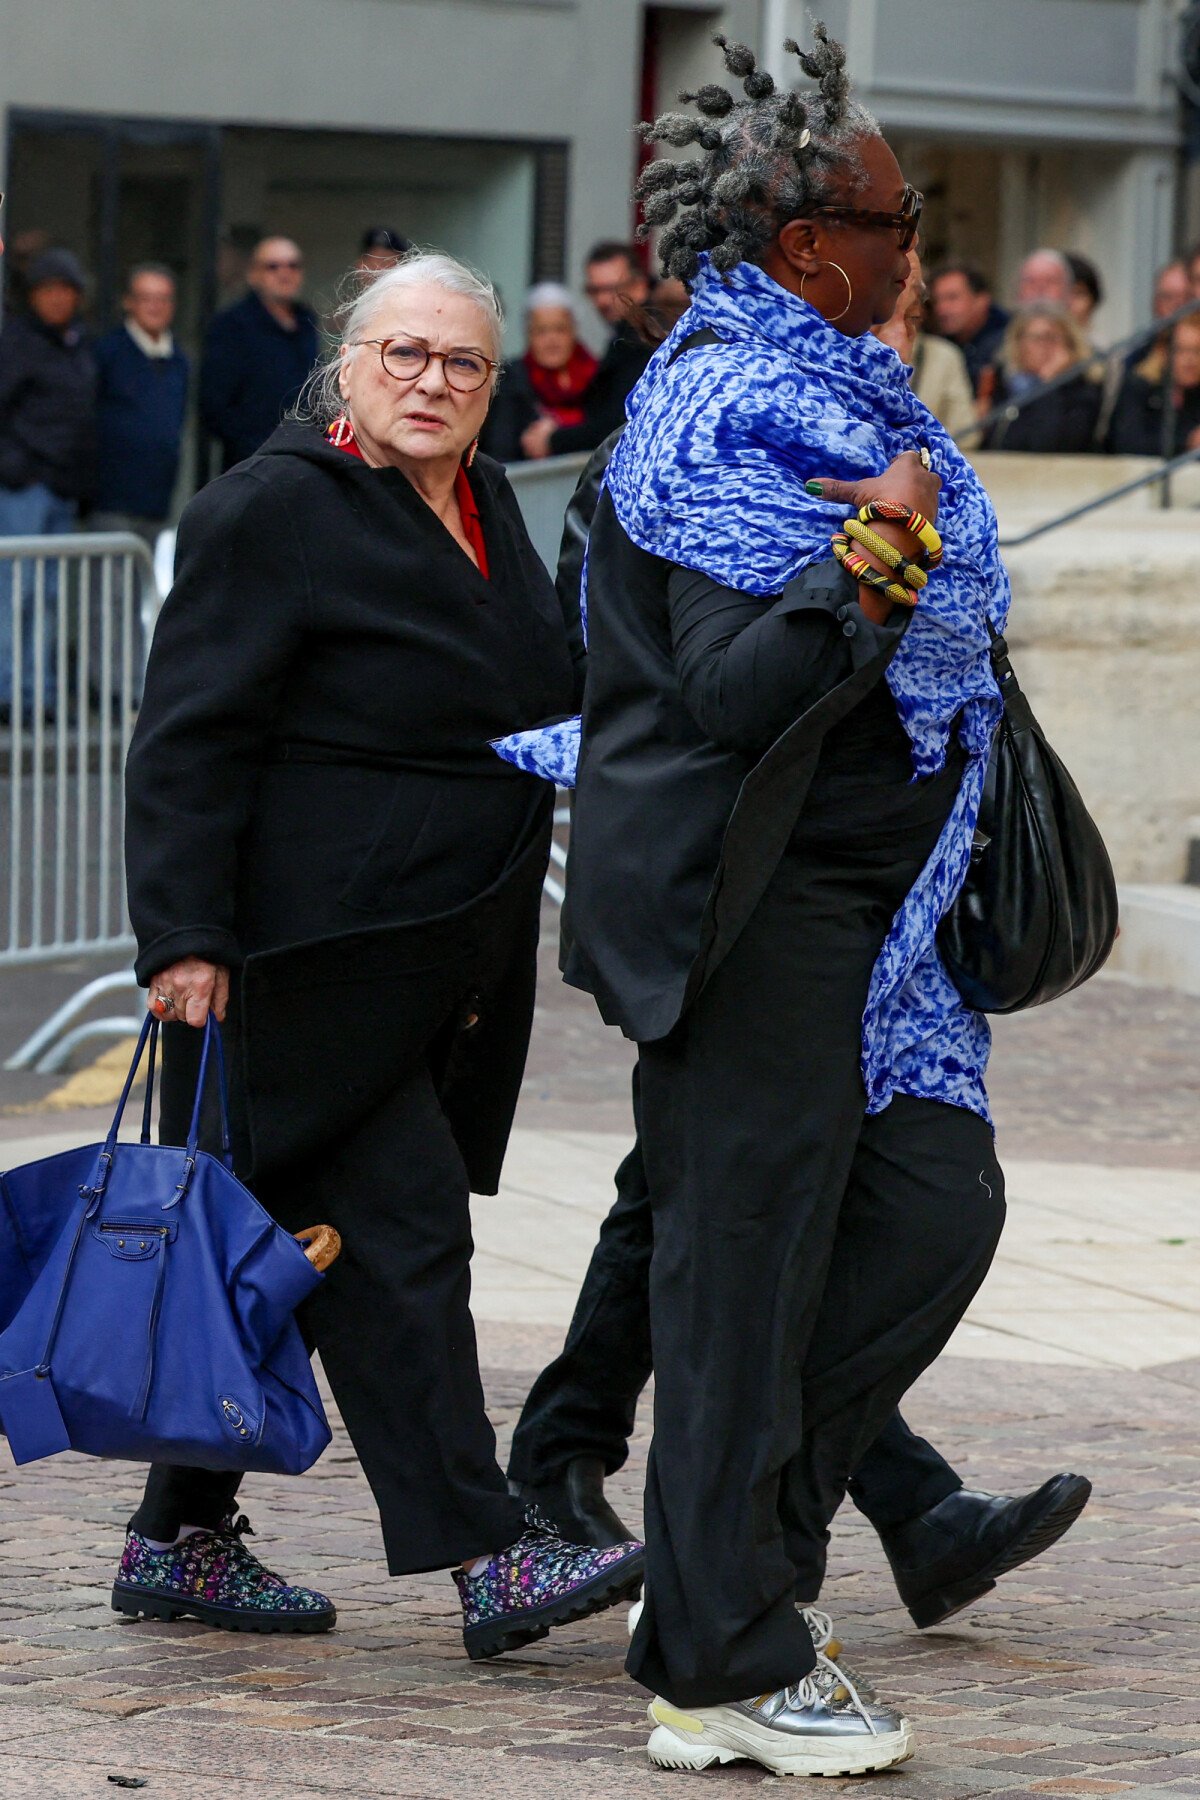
(1037, 914)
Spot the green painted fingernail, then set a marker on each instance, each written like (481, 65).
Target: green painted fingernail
(816, 488)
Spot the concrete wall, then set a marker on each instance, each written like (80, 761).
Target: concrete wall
(1067, 107)
(523, 70)
(1105, 635)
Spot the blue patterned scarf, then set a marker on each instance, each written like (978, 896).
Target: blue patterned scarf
(710, 474)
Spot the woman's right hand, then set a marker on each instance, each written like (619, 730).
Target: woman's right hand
(196, 987)
(906, 480)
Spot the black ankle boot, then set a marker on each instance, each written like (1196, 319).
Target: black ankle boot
(947, 1557)
(576, 1504)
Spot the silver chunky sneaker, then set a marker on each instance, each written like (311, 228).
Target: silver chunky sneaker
(821, 1726)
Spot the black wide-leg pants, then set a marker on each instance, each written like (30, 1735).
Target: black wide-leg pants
(393, 1326)
(808, 1261)
(584, 1403)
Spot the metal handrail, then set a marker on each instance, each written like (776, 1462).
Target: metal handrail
(1140, 339)
(1161, 472)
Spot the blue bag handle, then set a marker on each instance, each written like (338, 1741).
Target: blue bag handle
(212, 1039)
(94, 1190)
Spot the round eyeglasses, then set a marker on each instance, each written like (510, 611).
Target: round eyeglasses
(466, 371)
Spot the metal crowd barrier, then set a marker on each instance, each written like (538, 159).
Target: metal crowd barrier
(76, 614)
(543, 490)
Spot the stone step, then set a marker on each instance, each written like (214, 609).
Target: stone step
(1160, 937)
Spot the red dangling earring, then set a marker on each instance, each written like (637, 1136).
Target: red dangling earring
(341, 432)
(470, 456)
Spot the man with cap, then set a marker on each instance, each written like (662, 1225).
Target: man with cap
(47, 449)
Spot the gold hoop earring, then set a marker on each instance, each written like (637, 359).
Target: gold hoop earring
(849, 293)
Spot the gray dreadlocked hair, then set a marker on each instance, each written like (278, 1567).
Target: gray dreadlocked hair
(769, 158)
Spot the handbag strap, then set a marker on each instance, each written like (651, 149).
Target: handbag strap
(94, 1189)
(1018, 711)
(212, 1043)
(148, 1105)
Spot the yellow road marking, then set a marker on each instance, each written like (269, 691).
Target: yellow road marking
(99, 1084)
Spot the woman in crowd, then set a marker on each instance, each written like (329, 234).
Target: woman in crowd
(1042, 342)
(1156, 415)
(551, 379)
(325, 851)
(777, 791)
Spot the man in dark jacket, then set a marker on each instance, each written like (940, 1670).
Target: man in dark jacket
(258, 353)
(47, 447)
(616, 284)
(142, 401)
(966, 314)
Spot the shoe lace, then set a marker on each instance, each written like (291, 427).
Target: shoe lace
(822, 1688)
(820, 1626)
(234, 1529)
(536, 1520)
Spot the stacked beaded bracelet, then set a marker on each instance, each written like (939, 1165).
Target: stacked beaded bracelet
(907, 577)
(856, 564)
(925, 534)
(912, 574)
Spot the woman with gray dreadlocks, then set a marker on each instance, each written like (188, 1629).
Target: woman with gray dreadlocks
(787, 720)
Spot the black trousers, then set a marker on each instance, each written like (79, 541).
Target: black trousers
(584, 1403)
(393, 1326)
(809, 1261)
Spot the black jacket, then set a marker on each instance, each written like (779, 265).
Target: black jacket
(1136, 428)
(703, 718)
(252, 371)
(142, 405)
(621, 368)
(1063, 421)
(981, 351)
(311, 790)
(514, 408)
(47, 408)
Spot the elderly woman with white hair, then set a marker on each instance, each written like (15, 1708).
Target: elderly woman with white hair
(325, 851)
(549, 380)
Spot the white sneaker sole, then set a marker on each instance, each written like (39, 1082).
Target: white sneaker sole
(682, 1741)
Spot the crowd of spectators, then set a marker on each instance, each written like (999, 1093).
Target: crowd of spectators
(91, 428)
(1040, 382)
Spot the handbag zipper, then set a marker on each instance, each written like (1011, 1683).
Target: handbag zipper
(140, 1232)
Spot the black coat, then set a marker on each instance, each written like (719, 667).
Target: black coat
(621, 368)
(1136, 428)
(1062, 422)
(142, 406)
(47, 408)
(312, 797)
(703, 719)
(252, 371)
(513, 410)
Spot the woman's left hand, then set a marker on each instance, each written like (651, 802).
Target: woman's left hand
(187, 990)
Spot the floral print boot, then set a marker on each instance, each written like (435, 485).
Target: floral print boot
(540, 1581)
(212, 1576)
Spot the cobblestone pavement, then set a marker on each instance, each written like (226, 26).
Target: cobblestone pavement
(1079, 1676)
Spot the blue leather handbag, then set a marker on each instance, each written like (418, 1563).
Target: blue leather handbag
(147, 1304)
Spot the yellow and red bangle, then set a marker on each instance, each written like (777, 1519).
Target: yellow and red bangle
(856, 564)
(926, 534)
(912, 574)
